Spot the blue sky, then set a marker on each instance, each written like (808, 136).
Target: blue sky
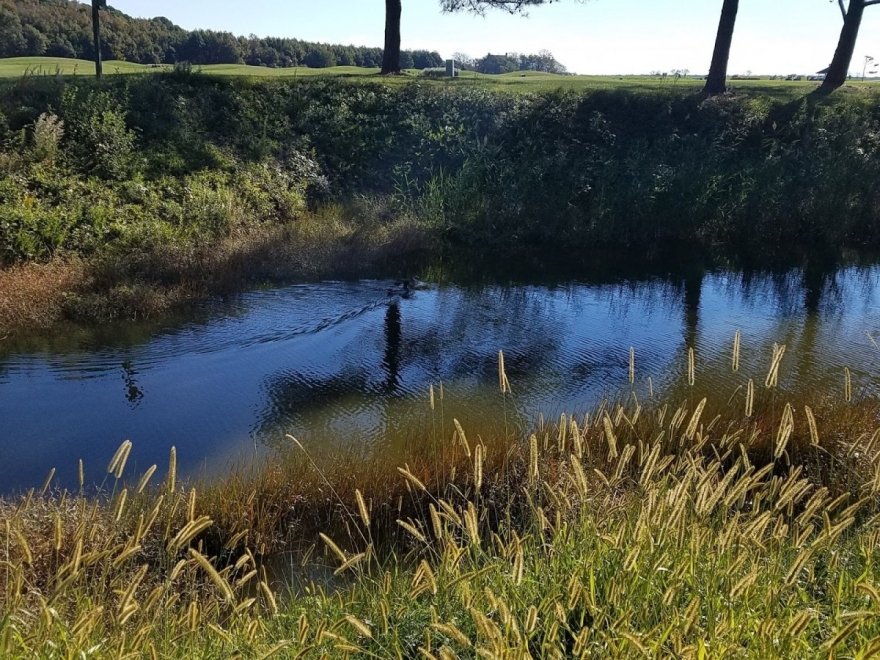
(600, 36)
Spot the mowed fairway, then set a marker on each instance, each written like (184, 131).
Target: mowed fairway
(519, 81)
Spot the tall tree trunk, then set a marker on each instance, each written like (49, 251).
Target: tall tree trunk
(391, 57)
(839, 68)
(716, 83)
(96, 32)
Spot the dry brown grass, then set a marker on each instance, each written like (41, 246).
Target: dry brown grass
(32, 295)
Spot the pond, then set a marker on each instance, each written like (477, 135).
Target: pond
(352, 362)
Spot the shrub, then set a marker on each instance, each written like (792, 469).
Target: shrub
(47, 134)
(100, 142)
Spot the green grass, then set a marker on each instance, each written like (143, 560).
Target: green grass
(19, 66)
(694, 524)
(14, 67)
(525, 81)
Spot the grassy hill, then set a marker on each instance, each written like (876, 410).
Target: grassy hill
(517, 81)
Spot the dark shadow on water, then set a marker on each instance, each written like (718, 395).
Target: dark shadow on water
(393, 337)
(133, 393)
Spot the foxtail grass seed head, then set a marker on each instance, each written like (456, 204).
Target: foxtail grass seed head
(145, 479)
(737, 345)
(533, 458)
(632, 365)
(431, 395)
(811, 422)
(349, 563)
(117, 463)
(48, 481)
(413, 479)
(503, 382)
(462, 437)
(191, 505)
(772, 379)
(478, 467)
(269, 597)
(120, 504)
(750, 398)
(362, 508)
(847, 385)
(692, 426)
(413, 530)
(610, 437)
(691, 366)
(335, 549)
(359, 626)
(786, 426)
(172, 469)
(213, 575)
(82, 474)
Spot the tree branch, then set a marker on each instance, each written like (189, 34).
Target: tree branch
(480, 6)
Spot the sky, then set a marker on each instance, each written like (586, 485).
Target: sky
(597, 37)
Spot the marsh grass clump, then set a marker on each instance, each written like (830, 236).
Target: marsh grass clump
(688, 524)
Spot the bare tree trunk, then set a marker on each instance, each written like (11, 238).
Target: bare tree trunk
(716, 83)
(839, 68)
(96, 31)
(391, 57)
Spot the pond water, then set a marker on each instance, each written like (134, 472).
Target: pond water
(345, 362)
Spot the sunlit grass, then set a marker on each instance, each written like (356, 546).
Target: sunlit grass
(687, 523)
(517, 81)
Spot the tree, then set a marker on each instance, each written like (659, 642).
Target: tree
(716, 82)
(852, 21)
(319, 57)
(97, 6)
(35, 41)
(543, 61)
(11, 38)
(424, 59)
(391, 56)
(496, 64)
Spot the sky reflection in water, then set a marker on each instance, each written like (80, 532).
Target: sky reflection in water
(346, 361)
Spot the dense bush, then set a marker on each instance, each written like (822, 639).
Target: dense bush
(78, 190)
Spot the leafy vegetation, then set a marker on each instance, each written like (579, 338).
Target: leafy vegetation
(687, 524)
(125, 173)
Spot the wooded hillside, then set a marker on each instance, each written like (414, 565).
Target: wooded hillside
(62, 28)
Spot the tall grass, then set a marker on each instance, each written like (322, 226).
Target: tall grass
(695, 523)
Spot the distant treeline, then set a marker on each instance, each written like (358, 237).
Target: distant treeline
(62, 28)
(510, 62)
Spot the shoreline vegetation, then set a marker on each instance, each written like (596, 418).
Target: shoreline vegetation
(688, 522)
(133, 196)
(682, 523)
